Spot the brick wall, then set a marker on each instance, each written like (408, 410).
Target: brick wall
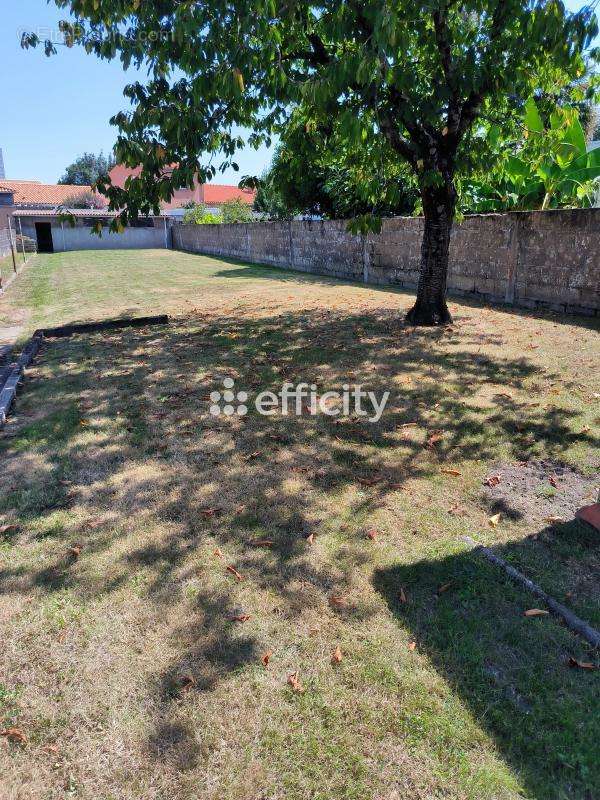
(548, 259)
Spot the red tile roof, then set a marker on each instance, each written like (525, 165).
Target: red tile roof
(212, 194)
(33, 193)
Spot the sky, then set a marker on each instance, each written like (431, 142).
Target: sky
(56, 108)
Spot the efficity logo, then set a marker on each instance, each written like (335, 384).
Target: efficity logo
(300, 399)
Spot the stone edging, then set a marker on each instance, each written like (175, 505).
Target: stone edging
(11, 376)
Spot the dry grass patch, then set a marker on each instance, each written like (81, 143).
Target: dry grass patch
(135, 667)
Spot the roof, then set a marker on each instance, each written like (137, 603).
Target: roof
(213, 194)
(6, 189)
(76, 212)
(33, 193)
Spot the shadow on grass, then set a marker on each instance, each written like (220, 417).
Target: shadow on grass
(225, 481)
(510, 670)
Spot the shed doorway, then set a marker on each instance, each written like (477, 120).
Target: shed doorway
(43, 232)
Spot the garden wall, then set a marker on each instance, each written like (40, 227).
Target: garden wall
(545, 259)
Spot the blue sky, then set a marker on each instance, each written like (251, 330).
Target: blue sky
(56, 108)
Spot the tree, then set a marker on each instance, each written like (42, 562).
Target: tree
(86, 169)
(418, 75)
(235, 210)
(197, 214)
(315, 172)
(86, 199)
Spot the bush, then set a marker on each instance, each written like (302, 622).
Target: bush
(84, 200)
(198, 215)
(236, 211)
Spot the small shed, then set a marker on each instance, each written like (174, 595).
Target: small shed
(53, 234)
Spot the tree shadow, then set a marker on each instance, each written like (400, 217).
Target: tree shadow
(467, 617)
(157, 453)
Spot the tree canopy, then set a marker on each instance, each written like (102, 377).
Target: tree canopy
(416, 75)
(87, 168)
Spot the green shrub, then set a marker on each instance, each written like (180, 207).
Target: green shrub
(198, 215)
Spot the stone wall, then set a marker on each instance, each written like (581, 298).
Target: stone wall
(548, 259)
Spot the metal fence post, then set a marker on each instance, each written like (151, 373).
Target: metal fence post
(22, 240)
(12, 249)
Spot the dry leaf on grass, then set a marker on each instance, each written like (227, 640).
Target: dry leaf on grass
(310, 538)
(14, 735)
(218, 553)
(209, 512)
(239, 618)
(553, 482)
(444, 587)
(402, 596)
(261, 542)
(574, 662)
(369, 481)
(434, 438)
(234, 572)
(74, 552)
(412, 645)
(266, 657)
(337, 601)
(295, 682)
(336, 655)
(553, 520)
(10, 528)
(186, 682)
(454, 472)
(536, 612)
(493, 480)
(495, 520)
(372, 534)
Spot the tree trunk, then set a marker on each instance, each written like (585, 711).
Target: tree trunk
(438, 207)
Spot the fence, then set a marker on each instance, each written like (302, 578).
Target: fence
(14, 251)
(548, 259)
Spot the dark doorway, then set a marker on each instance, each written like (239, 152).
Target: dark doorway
(43, 231)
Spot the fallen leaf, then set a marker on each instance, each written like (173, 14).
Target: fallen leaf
(369, 481)
(454, 472)
(209, 512)
(261, 542)
(337, 601)
(494, 520)
(251, 456)
(14, 735)
(434, 438)
(553, 482)
(553, 520)
(412, 645)
(310, 538)
(92, 524)
(444, 587)
(10, 528)
(51, 748)
(402, 596)
(372, 534)
(574, 662)
(266, 657)
(234, 572)
(493, 480)
(239, 618)
(336, 655)
(186, 682)
(536, 612)
(457, 510)
(74, 552)
(218, 553)
(295, 683)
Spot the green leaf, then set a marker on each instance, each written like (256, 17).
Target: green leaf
(533, 121)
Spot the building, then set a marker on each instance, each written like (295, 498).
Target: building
(211, 195)
(36, 195)
(52, 233)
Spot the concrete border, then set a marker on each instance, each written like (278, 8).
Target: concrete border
(11, 376)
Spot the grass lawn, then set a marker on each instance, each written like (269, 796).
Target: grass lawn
(138, 666)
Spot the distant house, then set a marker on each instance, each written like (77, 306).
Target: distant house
(7, 203)
(36, 195)
(212, 195)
